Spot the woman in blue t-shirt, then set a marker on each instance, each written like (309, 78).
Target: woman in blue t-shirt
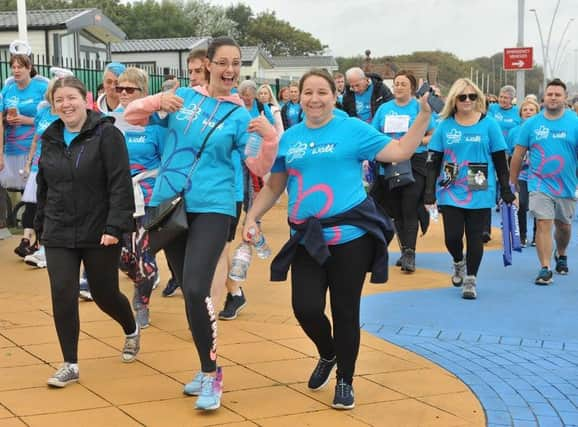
(468, 148)
(337, 232)
(403, 204)
(19, 102)
(145, 145)
(214, 114)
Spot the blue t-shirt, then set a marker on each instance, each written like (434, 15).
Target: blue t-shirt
(43, 119)
(470, 149)
(18, 138)
(512, 142)
(391, 108)
(144, 146)
(293, 113)
(69, 136)
(507, 119)
(552, 146)
(212, 185)
(324, 170)
(363, 104)
(238, 168)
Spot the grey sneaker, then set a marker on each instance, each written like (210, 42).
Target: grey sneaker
(459, 273)
(469, 288)
(131, 348)
(65, 375)
(142, 316)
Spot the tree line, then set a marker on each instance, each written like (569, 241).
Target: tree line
(149, 19)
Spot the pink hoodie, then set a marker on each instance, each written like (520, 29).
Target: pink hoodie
(139, 111)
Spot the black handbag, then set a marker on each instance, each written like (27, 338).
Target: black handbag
(398, 175)
(168, 220)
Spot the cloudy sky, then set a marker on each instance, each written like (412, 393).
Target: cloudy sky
(467, 28)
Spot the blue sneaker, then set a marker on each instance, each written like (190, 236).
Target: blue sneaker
(544, 277)
(211, 392)
(194, 387)
(84, 293)
(171, 288)
(344, 397)
(561, 263)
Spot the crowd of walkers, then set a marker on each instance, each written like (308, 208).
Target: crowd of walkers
(360, 164)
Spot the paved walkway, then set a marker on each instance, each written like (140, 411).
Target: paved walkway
(266, 358)
(516, 347)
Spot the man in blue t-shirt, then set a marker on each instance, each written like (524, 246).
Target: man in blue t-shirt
(506, 114)
(551, 140)
(291, 112)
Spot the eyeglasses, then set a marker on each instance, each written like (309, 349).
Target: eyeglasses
(225, 64)
(471, 96)
(127, 89)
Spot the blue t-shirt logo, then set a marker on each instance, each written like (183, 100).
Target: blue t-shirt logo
(454, 137)
(542, 133)
(296, 151)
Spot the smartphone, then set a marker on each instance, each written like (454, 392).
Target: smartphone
(435, 102)
(423, 89)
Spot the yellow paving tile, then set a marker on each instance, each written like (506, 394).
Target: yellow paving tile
(373, 362)
(21, 377)
(273, 331)
(87, 349)
(269, 402)
(229, 333)
(329, 417)
(111, 417)
(365, 392)
(257, 352)
(169, 321)
(11, 422)
(302, 345)
(4, 413)
(464, 405)
(178, 412)
(286, 371)
(234, 378)
(406, 413)
(23, 318)
(123, 391)
(34, 335)
(91, 370)
(45, 400)
(89, 312)
(5, 342)
(172, 361)
(15, 356)
(424, 382)
(102, 329)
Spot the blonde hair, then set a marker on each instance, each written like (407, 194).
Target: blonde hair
(456, 89)
(136, 76)
(272, 99)
(531, 102)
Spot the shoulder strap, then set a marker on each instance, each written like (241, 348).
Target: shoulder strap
(260, 106)
(198, 156)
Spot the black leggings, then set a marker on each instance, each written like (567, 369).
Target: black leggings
(28, 215)
(343, 274)
(473, 221)
(194, 258)
(524, 200)
(3, 207)
(101, 265)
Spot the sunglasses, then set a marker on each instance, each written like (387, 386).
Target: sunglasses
(129, 90)
(470, 96)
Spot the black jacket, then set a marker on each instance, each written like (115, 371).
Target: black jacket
(381, 94)
(85, 189)
(285, 118)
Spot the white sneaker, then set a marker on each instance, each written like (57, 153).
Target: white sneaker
(37, 259)
(5, 233)
(157, 280)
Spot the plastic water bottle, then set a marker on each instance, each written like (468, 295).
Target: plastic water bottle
(253, 144)
(434, 213)
(240, 263)
(261, 247)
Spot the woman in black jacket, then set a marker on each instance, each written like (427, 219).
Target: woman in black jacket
(85, 203)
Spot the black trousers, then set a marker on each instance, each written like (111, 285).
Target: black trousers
(101, 265)
(524, 202)
(343, 275)
(28, 215)
(473, 223)
(194, 258)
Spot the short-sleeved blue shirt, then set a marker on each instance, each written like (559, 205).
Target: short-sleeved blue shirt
(324, 170)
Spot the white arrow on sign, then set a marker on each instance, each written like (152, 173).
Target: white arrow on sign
(519, 63)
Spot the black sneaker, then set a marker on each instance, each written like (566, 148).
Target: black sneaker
(561, 263)
(486, 237)
(233, 305)
(171, 288)
(25, 248)
(344, 398)
(408, 261)
(544, 277)
(320, 376)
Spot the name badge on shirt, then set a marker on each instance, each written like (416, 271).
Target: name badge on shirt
(396, 124)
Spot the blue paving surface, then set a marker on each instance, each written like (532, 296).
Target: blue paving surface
(516, 346)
